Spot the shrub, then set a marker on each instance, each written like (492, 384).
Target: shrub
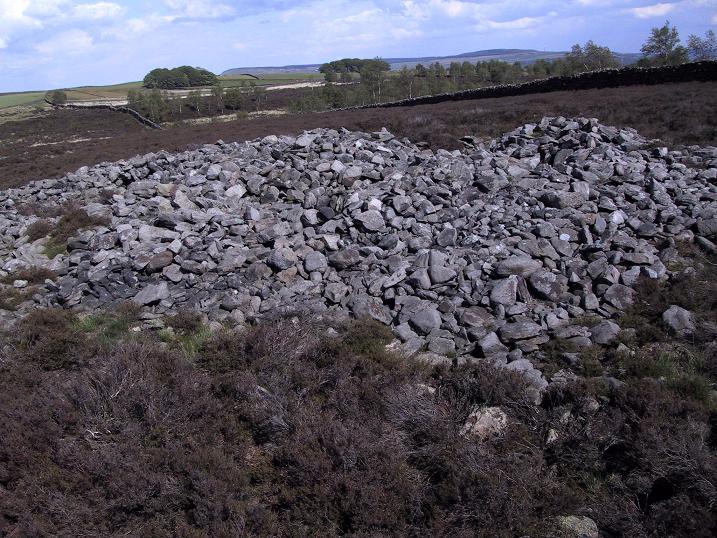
(57, 97)
(72, 220)
(49, 338)
(33, 275)
(39, 228)
(10, 298)
(186, 321)
(304, 426)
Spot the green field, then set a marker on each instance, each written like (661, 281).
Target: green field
(119, 91)
(21, 99)
(270, 79)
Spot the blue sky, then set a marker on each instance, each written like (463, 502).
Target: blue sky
(62, 43)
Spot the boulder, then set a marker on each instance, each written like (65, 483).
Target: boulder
(484, 422)
(426, 320)
(152, 294)
(679, 322)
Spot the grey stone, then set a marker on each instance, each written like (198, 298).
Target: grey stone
(484, 422)
(550, 222)
(282, 258)
(344, 259)
(548, 286)
(447, 237)
(578, 527)
(420, 279)
(363, 306)
(371, 220)
(619, 296)
(441, 275)
(519, 331)
(236, 191)
(679, 321)
(491, 345)
(426, 320)
(315, 261)
(605, 332)
(563, 199)
(537, 384)
(517, 265)
(442, 346)
(152, 294)
(160, 261)
(504, 291)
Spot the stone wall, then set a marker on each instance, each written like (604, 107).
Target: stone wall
(608, 78)
(126, 110)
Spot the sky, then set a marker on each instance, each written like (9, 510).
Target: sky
(46, 44)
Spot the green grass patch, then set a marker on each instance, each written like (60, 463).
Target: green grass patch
(189, 342)
(683, 370)
(21, 99)
(53, 248)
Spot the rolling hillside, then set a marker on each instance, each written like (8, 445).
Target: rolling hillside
(507, 55)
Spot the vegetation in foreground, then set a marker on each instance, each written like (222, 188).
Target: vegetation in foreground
(305, 427)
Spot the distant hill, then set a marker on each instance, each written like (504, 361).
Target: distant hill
(507, 55)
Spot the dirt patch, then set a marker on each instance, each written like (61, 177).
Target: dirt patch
(681, 113)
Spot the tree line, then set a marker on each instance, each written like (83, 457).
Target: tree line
(159, 106)
(355, 81)
(663, 47)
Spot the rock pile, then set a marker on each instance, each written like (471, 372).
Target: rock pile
(489, 252)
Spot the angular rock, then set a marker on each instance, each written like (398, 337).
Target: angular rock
(517, 265)
(679, 321)
(344, 259)
(605, 332)
(282, 258)
(371, 220)
(315, 261)
(484, 422)
(548, 286)
(152, 294)
(504, 291)
(519, 331)
(426, 320)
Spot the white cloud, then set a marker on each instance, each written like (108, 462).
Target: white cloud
(200, 9)
(100, 10)
(3, 43)
(14, 19)
(516, 24)
(45, 9)
(655, 10)
(69, 42)
(595, 2)
(714, 19)
(427, 9)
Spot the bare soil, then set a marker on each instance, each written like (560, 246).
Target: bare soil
(46, 146)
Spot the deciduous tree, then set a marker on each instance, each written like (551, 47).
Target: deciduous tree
(663, 47)
(703, 48)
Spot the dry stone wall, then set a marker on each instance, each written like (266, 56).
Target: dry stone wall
(607, 78)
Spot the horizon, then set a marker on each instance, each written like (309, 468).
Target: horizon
(47, 44)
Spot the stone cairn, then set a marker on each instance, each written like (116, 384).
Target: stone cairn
(489, 252)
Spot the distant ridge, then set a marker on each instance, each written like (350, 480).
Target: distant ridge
(525, 56)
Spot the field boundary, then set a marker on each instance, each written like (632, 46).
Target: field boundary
(607, 78)
(126, 110)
